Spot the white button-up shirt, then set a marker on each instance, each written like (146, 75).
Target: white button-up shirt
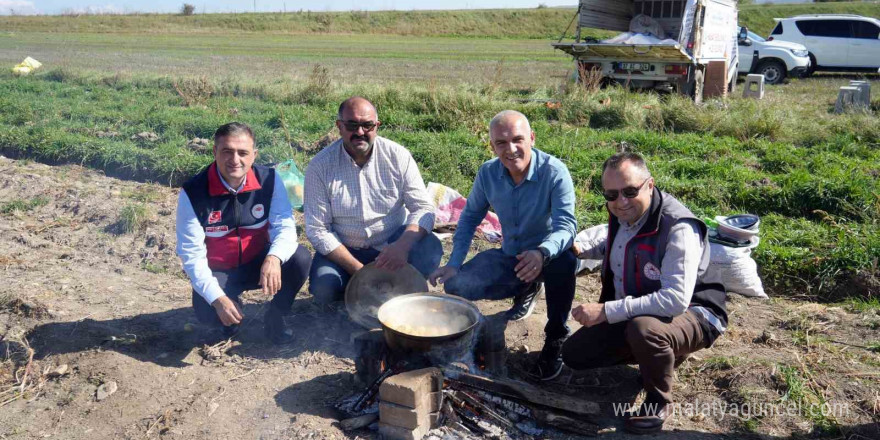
(360, 207)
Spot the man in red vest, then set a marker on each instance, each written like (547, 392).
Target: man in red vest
(653, 310)
(235, 231)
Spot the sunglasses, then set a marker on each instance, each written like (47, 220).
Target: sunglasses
(368, 126)
(629, 192)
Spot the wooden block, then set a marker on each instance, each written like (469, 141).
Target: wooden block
(391, 432)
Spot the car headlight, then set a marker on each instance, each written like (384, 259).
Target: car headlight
(799, 52)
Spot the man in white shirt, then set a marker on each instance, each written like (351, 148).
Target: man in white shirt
(365, 201)
(235, 231)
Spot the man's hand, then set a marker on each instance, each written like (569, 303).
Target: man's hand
(441, 275)
(576, 248)
(227, 311)
(270, 275)
(394, 256)
(530, 265)
(589, 314)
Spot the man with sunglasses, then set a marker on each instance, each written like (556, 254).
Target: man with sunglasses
(653, 309)
(533, 196)
(365, 201)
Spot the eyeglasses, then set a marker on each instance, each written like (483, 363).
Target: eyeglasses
(629, 192)
(368, 126)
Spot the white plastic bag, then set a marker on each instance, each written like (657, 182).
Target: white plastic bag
(735, 269)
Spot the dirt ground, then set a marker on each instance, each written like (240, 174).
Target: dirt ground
(114, 306)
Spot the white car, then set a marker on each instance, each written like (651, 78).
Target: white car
(774, 59)
(836, 42)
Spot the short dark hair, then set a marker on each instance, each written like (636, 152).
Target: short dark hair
(234, 129)
(614, 162)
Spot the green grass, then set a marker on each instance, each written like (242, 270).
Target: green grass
(862, 305)
(134, 217)
(257, 60)
(797, 390)
(539, 23)
(809, 173)
(23, 205)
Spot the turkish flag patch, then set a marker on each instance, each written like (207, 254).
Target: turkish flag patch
(214, 217)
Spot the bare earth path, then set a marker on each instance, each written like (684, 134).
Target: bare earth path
(114, 307)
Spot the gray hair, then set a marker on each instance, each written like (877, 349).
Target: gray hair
(616, 161)
(507, 114)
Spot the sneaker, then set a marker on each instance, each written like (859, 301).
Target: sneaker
(549, 364)
(229, 331)
(524, 303)
(274, 328)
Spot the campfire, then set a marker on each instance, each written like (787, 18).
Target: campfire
(452, 388)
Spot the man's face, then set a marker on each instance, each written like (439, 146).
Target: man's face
(358, 140)
(512, 142)
(617, 181)
(235, 156)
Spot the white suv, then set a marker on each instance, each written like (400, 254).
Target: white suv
(835, 41)
(773, 59)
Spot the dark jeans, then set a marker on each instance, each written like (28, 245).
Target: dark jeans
(327, 279)
(490, 275)
(247, 276)
(652, 342)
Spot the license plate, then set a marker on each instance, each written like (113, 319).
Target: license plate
(644, 67)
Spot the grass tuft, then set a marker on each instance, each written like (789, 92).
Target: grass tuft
(134, 217)
(23, 205)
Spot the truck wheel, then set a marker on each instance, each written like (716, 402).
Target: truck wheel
(773, 71)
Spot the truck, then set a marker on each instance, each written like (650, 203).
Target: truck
(697, 54)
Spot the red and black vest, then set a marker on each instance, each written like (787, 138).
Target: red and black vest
(236, 225)
(644, 253)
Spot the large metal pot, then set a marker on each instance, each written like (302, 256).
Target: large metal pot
(427, 322)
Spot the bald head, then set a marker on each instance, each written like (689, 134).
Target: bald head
(509, 118)
(356, 104)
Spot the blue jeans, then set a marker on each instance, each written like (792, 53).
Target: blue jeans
(490, 275)
(327, 280)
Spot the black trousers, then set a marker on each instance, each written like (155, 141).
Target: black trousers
(247, 277)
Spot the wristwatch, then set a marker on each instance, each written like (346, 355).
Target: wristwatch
(546, 255)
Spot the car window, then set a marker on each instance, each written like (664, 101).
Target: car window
(865, 29)
(807, 27)
(829, 28)
(778, 29)
(755, 37)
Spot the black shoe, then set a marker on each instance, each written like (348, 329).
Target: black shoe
(648, 419)
(549, 363)
(229, 331)
(524, 303)
(273, 325)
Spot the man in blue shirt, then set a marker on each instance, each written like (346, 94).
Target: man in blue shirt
(533, 196)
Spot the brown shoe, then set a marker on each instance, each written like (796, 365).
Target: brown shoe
(647, 419)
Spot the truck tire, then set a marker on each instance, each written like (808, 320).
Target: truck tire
(773, 71)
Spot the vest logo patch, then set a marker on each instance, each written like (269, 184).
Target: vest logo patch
(217, 229)
(652, 272)
(258, 210)
(214, 217)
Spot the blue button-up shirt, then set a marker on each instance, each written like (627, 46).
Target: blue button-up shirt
(537, 213)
